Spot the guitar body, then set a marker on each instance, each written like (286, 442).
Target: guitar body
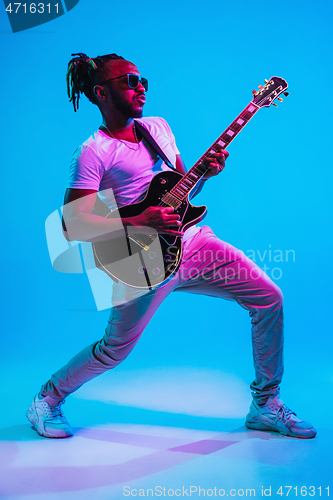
(145, 261)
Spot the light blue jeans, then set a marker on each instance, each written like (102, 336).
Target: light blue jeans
(209, 267)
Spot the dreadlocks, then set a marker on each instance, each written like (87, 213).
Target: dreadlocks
(82, 75)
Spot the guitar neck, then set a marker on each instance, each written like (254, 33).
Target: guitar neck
(194, 175)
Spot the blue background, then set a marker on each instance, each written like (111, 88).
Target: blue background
(202, 61)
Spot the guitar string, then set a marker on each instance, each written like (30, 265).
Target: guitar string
(227, 139)
(198, 164)
(195, 167)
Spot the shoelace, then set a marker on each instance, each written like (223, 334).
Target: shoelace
(54, 411)
(284, 413)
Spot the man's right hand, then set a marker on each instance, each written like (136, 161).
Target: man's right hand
(159, 218)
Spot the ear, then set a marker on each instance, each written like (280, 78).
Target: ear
(99, 92)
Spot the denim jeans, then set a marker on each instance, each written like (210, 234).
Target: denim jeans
(209, 267)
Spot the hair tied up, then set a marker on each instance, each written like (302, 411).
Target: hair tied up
(81, 75)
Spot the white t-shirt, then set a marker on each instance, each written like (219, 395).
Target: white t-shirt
(120, 170)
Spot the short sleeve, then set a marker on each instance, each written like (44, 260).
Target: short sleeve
(171, 136)
(85, 170)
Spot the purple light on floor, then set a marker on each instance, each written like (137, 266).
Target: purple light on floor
(204, 447)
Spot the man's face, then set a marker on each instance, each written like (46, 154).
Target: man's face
(128, 101)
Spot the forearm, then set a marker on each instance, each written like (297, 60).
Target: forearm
(93, 228)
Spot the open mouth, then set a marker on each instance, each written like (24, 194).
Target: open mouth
(141, 99)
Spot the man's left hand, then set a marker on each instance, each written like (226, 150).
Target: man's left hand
(216, 163)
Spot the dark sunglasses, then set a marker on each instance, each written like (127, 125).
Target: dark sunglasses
(132, 81)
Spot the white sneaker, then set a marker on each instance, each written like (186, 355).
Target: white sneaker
(47, 420)
(276, 416)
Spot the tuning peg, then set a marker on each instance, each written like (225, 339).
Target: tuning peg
(260, 87)
(286, 94)
(274, 104)
(280, 99)
(266, 81)
(254, 91)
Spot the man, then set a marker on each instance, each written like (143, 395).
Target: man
(118, 163)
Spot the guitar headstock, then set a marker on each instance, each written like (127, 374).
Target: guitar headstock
(269, 92)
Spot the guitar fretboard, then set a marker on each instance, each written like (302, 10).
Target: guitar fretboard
(181, 190)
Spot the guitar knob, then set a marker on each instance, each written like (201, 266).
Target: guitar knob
(152, 255)
(156, 271)
(141, 270)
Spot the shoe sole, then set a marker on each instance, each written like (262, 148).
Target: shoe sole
(260, 426)
(31, 417)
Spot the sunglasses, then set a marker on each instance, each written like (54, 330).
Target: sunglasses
(132, 81)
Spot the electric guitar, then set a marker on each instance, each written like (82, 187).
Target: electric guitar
(147, 260)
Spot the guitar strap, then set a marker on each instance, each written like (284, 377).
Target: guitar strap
(100, 208)
(154, 144)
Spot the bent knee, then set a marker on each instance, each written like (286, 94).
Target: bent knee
(276, 295)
